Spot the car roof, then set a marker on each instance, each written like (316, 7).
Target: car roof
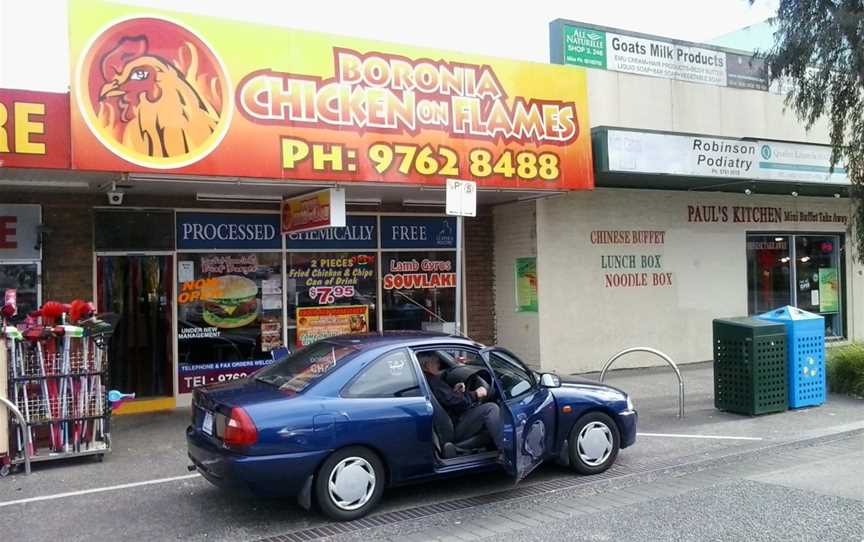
(365, 341)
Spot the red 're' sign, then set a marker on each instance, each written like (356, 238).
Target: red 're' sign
(34, 129)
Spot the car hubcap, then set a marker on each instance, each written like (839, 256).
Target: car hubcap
(351, 483)
(594, 444)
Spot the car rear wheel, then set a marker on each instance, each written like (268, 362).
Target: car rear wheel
(594, 442)
(350, 483)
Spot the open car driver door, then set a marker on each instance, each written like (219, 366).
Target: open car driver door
(527, 413)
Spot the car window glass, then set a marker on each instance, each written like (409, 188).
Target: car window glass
(452, 357)
(514, 379)
(391, 375)
(305, 367)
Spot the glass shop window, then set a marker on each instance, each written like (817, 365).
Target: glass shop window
(419, 290)
(331, 293)
(805, 271)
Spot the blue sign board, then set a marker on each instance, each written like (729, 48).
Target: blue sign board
(418, 232)
(252, 231)
(360, 232)
(227, 231)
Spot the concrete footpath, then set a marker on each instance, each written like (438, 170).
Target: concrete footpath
(142, 491)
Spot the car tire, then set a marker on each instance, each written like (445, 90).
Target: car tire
(594, 442)
(350, 483)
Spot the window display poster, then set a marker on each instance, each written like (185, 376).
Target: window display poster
(419, 290)
(526, 284)
(316, 323)
(829, 299)
(333, 278)
(226, 326)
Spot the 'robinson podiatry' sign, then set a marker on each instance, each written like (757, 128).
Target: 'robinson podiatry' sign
(631, 151)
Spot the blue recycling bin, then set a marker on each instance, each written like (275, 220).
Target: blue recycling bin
(805, 354)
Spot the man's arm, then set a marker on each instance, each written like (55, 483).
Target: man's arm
(450, 399)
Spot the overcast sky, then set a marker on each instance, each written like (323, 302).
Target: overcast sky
(33, 33)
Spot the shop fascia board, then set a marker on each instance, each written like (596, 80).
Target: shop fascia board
(648, 181)
(295, 183)
(604, 178)
(556, 37)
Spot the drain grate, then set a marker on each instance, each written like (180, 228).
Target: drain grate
(618, 471)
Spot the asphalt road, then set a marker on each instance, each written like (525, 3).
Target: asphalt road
(152, 447)
(810, 493)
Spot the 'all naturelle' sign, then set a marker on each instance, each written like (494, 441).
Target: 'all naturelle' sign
(179, 93)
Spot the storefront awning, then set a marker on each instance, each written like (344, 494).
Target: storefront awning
(626, 158)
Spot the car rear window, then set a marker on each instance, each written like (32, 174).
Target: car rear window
(305, 367)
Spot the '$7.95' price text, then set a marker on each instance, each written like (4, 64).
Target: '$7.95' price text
(326, 295)
(426, 160)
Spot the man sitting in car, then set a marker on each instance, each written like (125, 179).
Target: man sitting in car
(470, 415)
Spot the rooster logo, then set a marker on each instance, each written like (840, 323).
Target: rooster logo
(154, 93)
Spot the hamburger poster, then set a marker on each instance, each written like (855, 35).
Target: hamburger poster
(230, 317)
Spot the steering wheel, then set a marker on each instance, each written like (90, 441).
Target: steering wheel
(476, 381)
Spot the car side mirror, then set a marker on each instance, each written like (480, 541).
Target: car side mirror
(550, 380)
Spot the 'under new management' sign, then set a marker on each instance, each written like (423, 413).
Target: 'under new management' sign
(705, 156)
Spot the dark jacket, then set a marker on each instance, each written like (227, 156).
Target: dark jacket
(455, 402)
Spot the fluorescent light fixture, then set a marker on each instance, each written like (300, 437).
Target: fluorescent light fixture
(44, 184)
(238, 198)
(167, 177)
(234, 181)
(422, 203)
(805, 259)
(785, 259)
(778, 239)
(364, 201)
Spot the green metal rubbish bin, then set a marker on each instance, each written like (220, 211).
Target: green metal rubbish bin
(750, 366)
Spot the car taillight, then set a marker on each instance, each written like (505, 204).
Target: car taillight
(240, 430)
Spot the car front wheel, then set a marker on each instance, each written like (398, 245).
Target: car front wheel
(350, 483)
(594, 443)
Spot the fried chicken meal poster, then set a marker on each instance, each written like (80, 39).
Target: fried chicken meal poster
(154, 91)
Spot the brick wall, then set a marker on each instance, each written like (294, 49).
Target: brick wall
(479, 279)
(67, 249)
(67, 254)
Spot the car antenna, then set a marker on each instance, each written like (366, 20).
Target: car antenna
(411, 300)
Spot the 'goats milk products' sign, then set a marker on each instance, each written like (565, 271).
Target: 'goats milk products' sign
(629, 151)
(653, 56)
(180, 93)
(34, 129)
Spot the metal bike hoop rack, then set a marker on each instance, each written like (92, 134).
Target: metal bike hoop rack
(659, 354)
(23, 427)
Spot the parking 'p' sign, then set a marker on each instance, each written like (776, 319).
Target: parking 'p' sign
(461, 198)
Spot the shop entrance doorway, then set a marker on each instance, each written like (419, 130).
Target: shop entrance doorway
(138, 288)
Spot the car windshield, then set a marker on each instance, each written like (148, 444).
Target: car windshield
(305, 367)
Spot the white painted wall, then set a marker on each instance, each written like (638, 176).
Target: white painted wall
(651, 103)
(582, 322)
(515, 237)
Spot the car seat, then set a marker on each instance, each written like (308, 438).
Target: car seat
(442, 434)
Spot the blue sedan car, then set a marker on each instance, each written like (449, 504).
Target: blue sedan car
(338, 421)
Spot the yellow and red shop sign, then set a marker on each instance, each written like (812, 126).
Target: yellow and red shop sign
(175, 92)
(34, 129)
(317, 323)
(321, 209)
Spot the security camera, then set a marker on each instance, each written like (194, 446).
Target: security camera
(115, 197)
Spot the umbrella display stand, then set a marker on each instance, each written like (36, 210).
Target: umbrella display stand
(57, 379)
